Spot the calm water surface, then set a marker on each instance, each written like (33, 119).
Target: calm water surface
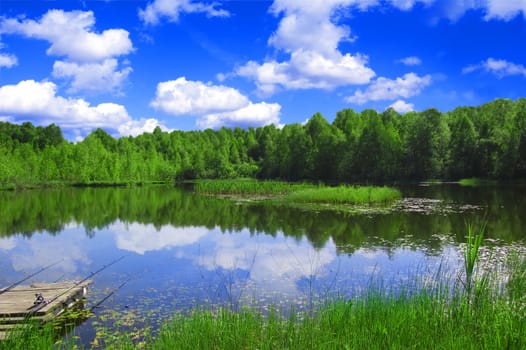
(183, 250)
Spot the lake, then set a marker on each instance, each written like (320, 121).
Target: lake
(183, 251)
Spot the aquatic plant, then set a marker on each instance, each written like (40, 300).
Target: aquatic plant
(471, 254)
(299, 192)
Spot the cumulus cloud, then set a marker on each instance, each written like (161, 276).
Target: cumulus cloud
(408, 4)
(402, 107)
(180, 96)
(71, 35)
(171, 9)
(387, 89)
(214, 105)
(90, 57)
(138, 127)
(500, 68)
(493, 9)
(7, 60)
(92, 77)
(411, 61)
(255, 114)
(311, 36)
(31, 100)
(307, 70)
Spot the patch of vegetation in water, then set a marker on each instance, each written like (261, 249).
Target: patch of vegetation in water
(302, 195)
(474, 182)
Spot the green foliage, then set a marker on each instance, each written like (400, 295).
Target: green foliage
(471, 254)
(345, 195)
(487, 142)
(248, 187)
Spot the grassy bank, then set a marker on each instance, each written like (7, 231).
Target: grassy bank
(298, 192)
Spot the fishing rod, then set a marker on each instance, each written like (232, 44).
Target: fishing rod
(28, 277)
(109, 295)
(42, 302)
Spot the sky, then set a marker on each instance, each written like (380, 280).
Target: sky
(129, 66)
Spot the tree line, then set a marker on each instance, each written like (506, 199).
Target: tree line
(488, 141)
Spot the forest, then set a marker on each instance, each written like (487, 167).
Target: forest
(487, 141)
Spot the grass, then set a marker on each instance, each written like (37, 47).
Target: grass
(345, 195)
(248, 187)
(474, 182)
(471, 255)
(299, 192)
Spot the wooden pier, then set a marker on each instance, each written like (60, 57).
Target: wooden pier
(17, 305)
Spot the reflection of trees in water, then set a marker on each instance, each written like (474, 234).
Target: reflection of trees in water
(51, 210)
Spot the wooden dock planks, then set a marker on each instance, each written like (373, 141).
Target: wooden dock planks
(16, 304)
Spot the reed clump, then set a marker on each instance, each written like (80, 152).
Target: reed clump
(345, 195)
(299, 192)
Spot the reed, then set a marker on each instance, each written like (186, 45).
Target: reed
(345, 195)
(248, 187)
(471, 254)
(299, 192)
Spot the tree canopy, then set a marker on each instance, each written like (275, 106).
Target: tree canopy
(488, 141)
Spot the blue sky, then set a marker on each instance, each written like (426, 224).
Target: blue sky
(129, 66)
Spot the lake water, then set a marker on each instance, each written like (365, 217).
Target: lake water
(183, 251)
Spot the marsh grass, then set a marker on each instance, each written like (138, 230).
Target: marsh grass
(424, 319)
(345, 195)
(248, 187)
(471, 255)
(474, 182)
(299, 192)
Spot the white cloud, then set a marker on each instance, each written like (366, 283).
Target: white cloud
(214, 105)
(90, 57)
(505, 9)
(311, 36)
(138, 127)
(71, 35)
(501, 68)
(307, 70)
(8, 61)
(171, 9)
(493, 9)
(402, 107)
(411, 61)
(179, 97)
(31, 99)
(255, 114)
(92, 77)
(387, 89)
(408, 4)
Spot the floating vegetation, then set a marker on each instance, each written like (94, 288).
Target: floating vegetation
(432, 206)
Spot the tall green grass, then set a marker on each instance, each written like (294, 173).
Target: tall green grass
(345, 195)
(471, 254)
(299, 192)
(248, 187)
